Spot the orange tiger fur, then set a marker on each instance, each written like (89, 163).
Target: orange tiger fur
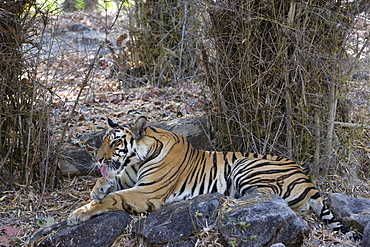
(147, 167)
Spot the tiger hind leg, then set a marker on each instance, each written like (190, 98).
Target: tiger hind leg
(325, 214)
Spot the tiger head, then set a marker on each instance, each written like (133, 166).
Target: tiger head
(119, 147)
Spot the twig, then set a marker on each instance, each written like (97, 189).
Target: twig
(288, 96)
(333, 100)
(351, 125)
(183, 33)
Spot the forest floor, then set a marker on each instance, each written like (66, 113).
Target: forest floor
(26, 211)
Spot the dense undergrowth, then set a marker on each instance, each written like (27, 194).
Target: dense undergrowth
(70, 89)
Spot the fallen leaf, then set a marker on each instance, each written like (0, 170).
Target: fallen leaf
(130, 243)
(155, 90)
(81, 118)
(4, 239)
(208, 239)
(120, 39)
(46, 196)
(45, 222)
(10, 231)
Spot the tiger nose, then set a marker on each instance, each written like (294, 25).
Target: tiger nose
(100, 159)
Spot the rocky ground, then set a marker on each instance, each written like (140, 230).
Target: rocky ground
(85, 109)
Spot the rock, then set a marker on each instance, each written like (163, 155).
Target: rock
(261, 220)
(77, 161)
(178, 221)
(100, 231)
(93, 140)
(366, 237)
(194, 129)
(255, 220)
(278, 245)
(78, 40)
(350, 211)
(76, 27)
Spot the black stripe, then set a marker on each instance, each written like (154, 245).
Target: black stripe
(316, 195)
(191, 173)
(291, 185)
(119, 182)
(114, 143)
(233, 158)
(150, 170)
(149, 183)
(153, 129)
(202, 179)
(274, 189)
(195, 182)
(252, 174)
(325, 212)
(301, 197)
(132, 180)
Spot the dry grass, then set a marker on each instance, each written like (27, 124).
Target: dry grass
(26, 153)
(241, 62)
(278, 74)
(28, 210)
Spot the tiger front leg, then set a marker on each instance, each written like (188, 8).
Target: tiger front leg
(103, 187)
(84, 213)
(130, 200)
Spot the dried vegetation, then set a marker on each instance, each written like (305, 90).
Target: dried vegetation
(279, 72)
(24, 124)
(274, 78)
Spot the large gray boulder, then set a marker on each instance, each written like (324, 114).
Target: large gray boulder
(261, 220)
(352, 212)
(254, 220)
(79, 39)
(78, 161)
(100, 231)
(175, 223)
(194, 129)
(366, 239)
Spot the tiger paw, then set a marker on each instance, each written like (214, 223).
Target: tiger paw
(79, 216)
(102, 188)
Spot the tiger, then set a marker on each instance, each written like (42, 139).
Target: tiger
(144, 167)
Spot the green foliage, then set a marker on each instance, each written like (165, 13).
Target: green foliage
(232, 242)
(111, 5)
(52, 6)
(80, 4)
(243, 225)
(198, 214)
(49, 5)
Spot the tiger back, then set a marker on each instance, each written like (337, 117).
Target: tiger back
(150, 167)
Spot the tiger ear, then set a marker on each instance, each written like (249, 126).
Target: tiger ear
(112, 124)
(138, 129)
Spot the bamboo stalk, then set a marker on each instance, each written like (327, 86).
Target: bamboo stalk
(317, 146)
(288, 96)
(333, 101)
(270, 63)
